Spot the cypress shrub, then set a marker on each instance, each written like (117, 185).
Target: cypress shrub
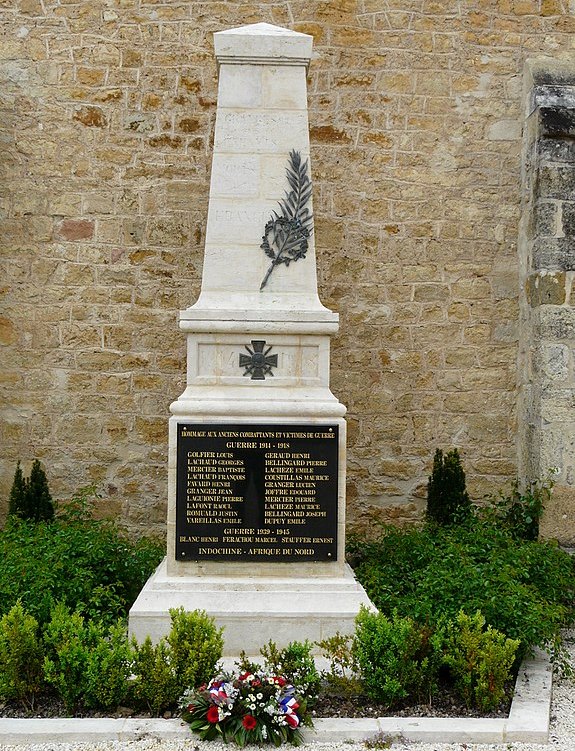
(40, 500)
(447, 498)
(30, 498)
(18, 502)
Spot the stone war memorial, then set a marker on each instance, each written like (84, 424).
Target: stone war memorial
(443, 170)
(257, 441)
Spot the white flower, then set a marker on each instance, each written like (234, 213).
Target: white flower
(264, 732)
(259, 696)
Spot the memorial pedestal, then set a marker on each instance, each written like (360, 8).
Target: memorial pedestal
(257, 449)
(253, 610)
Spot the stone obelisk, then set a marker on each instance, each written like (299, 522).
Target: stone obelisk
(257, 449)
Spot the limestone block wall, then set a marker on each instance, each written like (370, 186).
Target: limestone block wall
(547, 261)
(416, 118)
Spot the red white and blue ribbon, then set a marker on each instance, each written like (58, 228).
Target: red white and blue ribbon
(289, 706)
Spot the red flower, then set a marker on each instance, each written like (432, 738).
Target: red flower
(249, 722)
(280, 681)
(212, 715)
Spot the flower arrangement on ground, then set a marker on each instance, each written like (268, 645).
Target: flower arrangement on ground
(248, 708)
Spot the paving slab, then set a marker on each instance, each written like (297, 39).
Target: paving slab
(530, 710)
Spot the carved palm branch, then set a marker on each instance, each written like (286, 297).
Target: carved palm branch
(286, 235)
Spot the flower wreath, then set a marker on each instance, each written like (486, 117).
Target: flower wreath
(248, 708)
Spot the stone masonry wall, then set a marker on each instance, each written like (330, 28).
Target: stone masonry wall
(547, 262)
(416, 118)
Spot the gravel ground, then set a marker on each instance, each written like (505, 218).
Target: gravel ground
(562, 734)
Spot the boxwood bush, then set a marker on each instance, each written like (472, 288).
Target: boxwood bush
(91, 666)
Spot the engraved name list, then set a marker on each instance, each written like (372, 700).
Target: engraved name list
(257, 492)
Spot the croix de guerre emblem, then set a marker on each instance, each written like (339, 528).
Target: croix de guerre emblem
(258, 363)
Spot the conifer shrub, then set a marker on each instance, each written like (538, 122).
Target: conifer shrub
(18, 501)
(30, 497)
(40, 500)
(447, 498)
(21, 656)
(480, 659)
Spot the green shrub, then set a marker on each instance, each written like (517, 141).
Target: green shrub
(183, 659)
(196, 646)
(395, 657)
(18, 501)
(155, 685)
(294, 662)
(21, 656)
(245, 664)
(447, 498)
(109, 667)
(30, 498)
(40, 502)
(524, 589)
(87, 564)
(87, 663)
(480, 660)
(520, 511)
(68, 644)
(342, 678)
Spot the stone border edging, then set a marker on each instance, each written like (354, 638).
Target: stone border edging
(528, 721)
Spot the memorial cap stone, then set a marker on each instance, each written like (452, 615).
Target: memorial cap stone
(259, 42)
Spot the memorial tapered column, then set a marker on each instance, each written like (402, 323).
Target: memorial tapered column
(257, 454)
(261, 119)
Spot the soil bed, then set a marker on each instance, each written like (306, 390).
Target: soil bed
(445, 704)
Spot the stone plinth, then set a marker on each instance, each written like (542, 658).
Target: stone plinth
(254, 608)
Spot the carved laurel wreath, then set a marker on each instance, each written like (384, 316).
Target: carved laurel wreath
(286, 235)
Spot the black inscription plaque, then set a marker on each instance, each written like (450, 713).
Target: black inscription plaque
(256, 492)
